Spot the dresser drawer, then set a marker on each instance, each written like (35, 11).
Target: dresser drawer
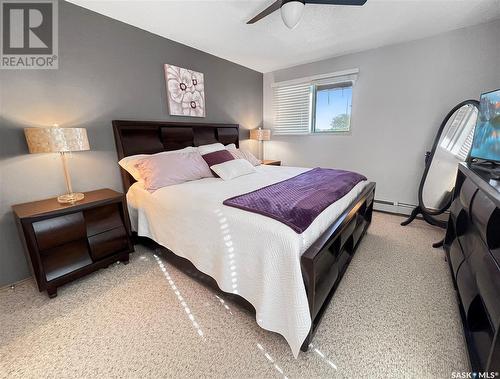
(107, 243)
(486, 217)
(467, 192)
(496, 256)
(466, 285)
(456, 256)
(488, 284)
(59, 230)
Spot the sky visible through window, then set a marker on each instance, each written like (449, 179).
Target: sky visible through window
(333, 109)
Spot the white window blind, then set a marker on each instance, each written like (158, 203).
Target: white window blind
(292, 109)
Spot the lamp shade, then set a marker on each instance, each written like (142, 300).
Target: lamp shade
(260, 134)
(56, 140)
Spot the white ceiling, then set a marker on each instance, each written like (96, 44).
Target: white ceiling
(218, 27)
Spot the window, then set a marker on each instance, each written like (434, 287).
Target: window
(320, 104)
(333, 108)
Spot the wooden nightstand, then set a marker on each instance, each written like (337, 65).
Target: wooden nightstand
(271, 162)
(65, 242)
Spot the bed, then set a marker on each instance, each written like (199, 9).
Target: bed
(288, 278)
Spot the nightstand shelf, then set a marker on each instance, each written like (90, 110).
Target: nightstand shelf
(65, 259)
(65, 242)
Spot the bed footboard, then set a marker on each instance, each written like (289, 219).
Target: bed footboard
(325, 262)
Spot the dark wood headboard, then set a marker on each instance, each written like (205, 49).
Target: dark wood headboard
(150, 137)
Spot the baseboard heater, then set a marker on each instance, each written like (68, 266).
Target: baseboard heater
(401, 208)
(393, 207)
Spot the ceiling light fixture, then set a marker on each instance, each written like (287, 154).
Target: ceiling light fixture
(291, 12)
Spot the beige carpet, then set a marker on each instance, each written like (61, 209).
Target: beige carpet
(394, 315)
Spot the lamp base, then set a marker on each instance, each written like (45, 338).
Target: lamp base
(70, 198)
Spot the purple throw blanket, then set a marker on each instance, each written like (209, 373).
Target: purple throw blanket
(297, 201)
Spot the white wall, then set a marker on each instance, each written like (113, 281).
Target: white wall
(400, 98)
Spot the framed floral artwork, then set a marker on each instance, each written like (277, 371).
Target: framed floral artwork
(185, 91)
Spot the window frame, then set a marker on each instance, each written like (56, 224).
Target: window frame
(332, 84)
(339, 79)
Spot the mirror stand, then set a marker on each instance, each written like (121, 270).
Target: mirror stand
(428, 218)
(451, 146)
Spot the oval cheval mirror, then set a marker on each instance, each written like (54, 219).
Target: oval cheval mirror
(452, 145)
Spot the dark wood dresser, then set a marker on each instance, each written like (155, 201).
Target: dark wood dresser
(65, 242)
(472, 245)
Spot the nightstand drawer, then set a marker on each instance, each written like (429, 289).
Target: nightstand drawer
(107, 243)
(102, 219)
(59, 230)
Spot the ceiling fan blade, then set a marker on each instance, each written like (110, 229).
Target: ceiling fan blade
(270, 9)
(337, 2)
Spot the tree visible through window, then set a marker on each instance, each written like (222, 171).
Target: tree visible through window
(333, 108)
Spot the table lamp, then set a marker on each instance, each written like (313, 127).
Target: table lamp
(260, 135)
(62, 141)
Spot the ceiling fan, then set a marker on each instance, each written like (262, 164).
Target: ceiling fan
(291, 10)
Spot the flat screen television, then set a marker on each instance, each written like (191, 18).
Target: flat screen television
(486, 142)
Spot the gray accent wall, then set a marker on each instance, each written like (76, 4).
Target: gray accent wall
(402, 94)
(107, 70)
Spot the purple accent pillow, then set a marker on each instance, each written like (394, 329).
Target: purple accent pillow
(217, 157)
(165, 170)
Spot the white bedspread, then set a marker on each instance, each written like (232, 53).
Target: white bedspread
(246, 253)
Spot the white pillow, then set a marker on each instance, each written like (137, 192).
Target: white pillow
(231, 146)
(205, 149)
(242, 154)
(233, 169)
(128, 163)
